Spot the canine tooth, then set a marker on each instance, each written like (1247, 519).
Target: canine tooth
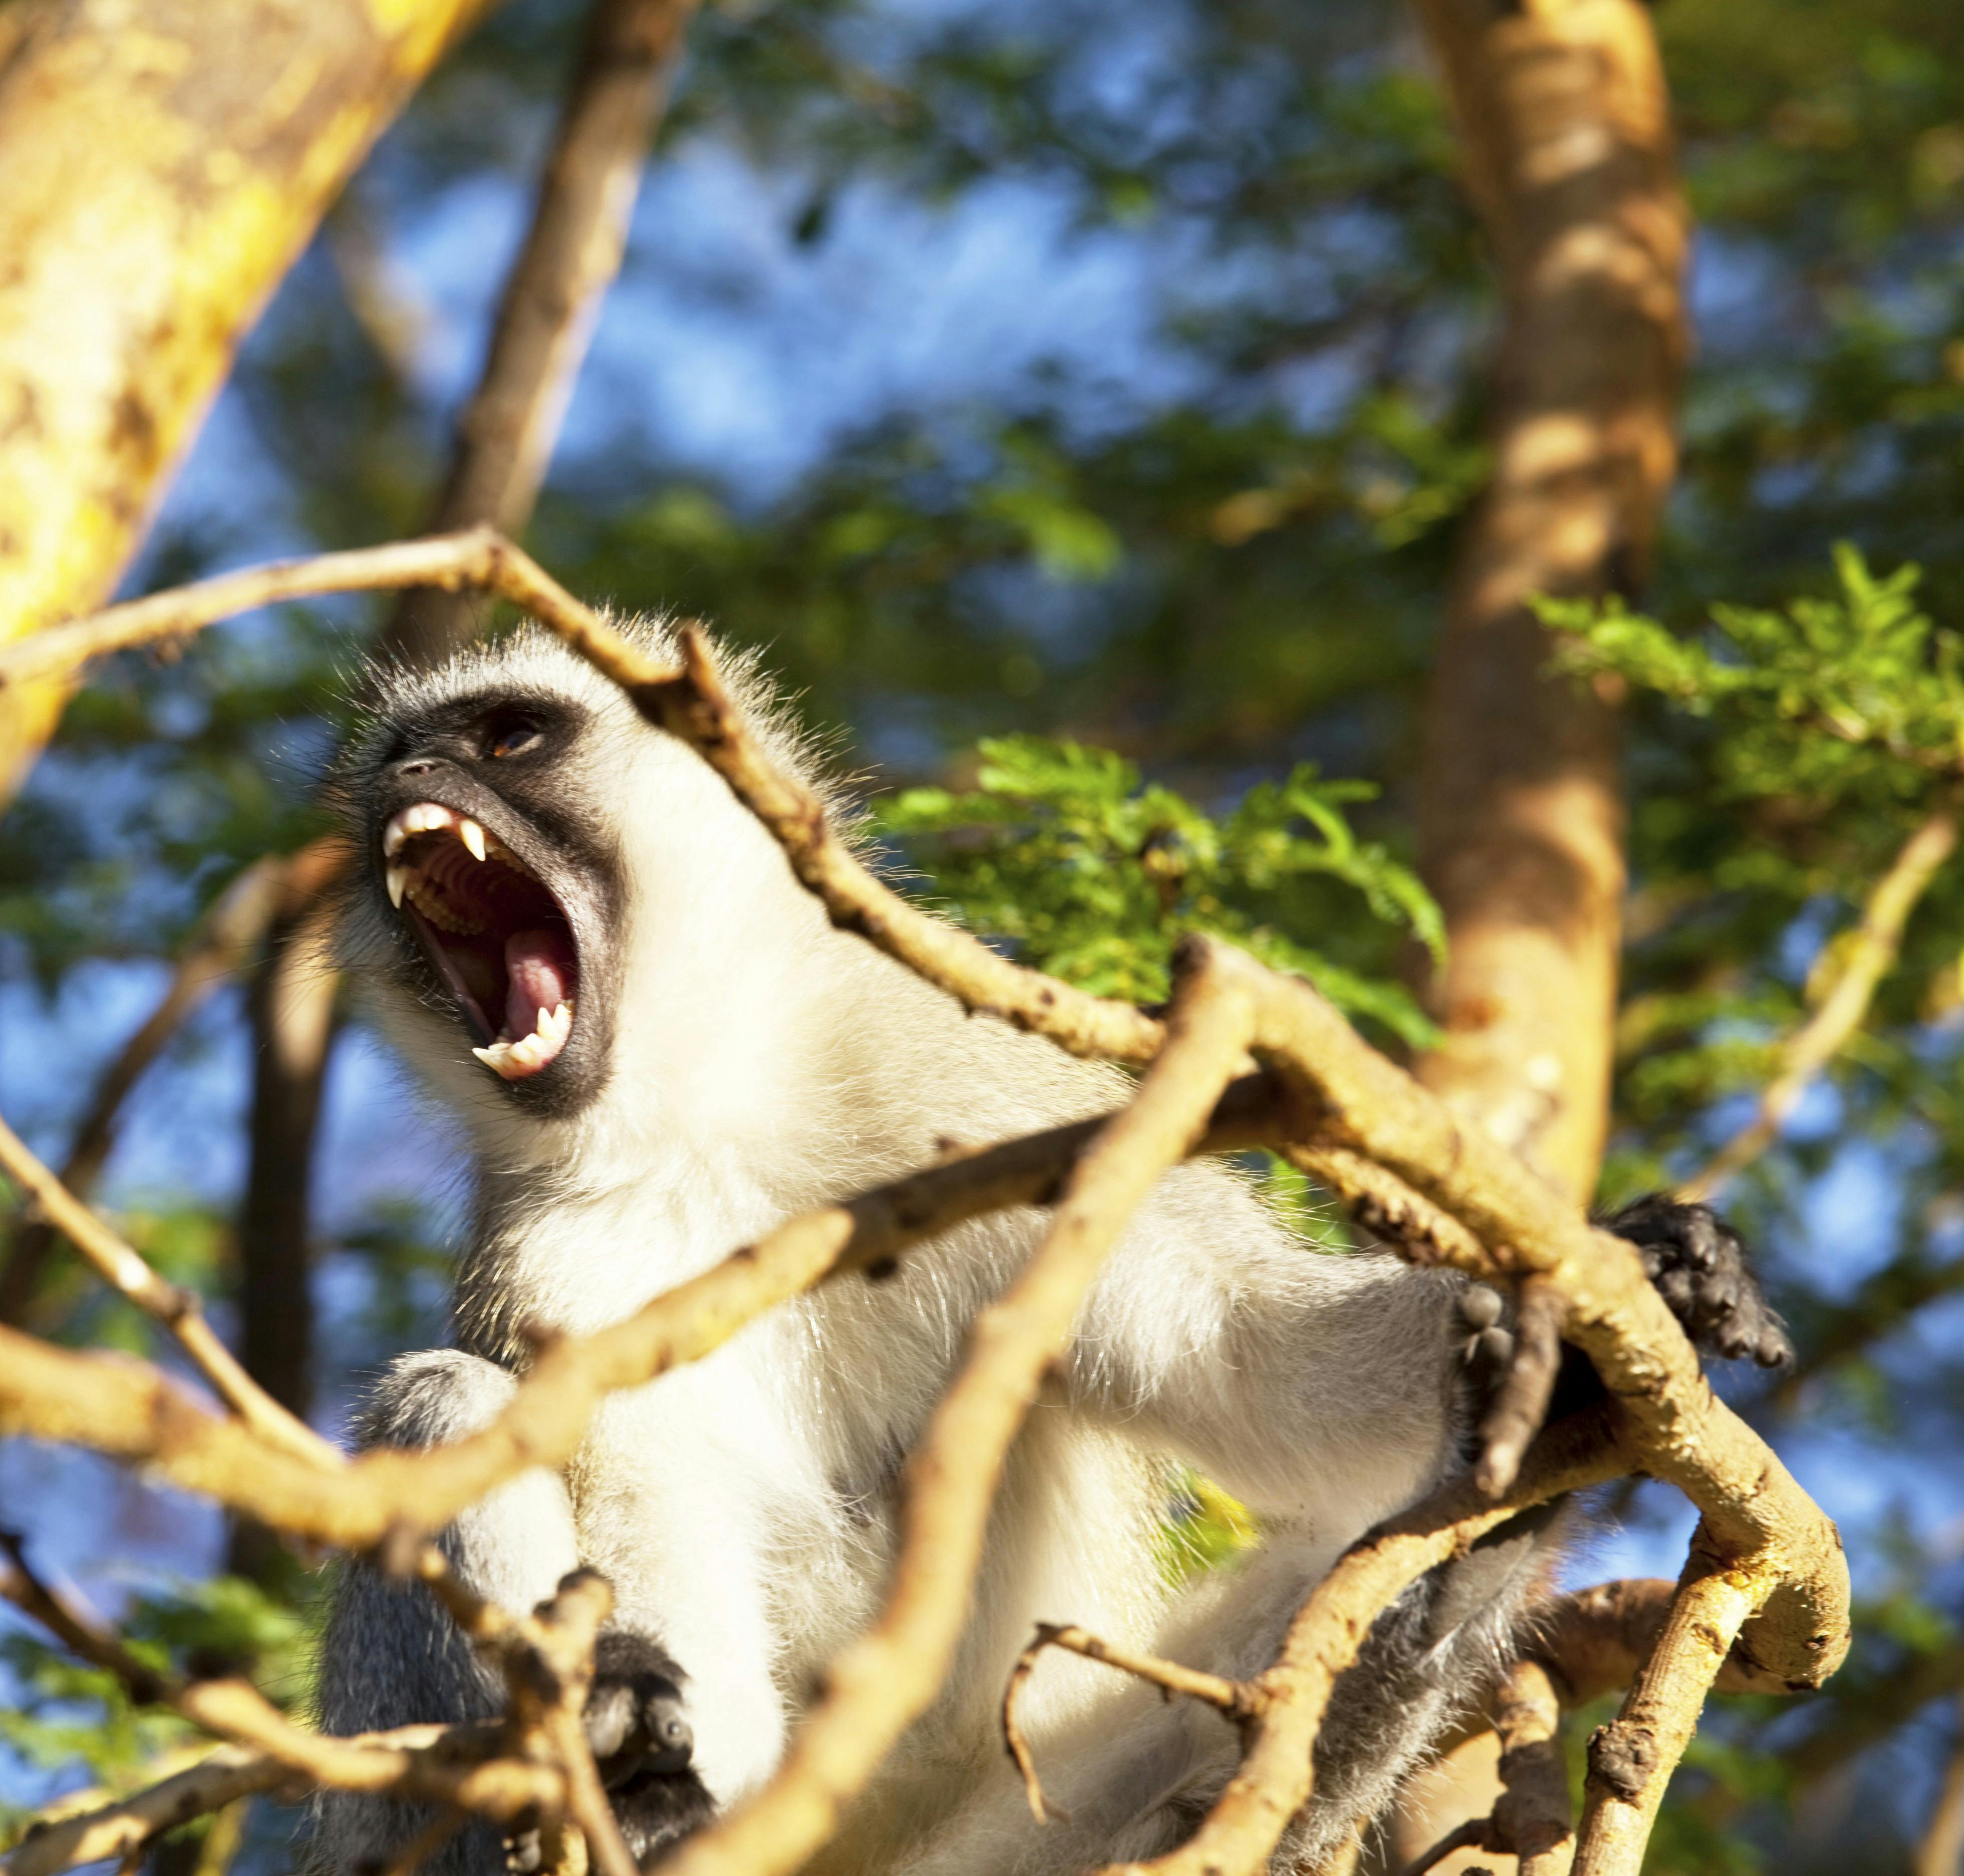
(472, 836)
(398, 878)
(393, 835)
(544, 1026)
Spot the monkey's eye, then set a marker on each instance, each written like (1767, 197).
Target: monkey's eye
(515, 736)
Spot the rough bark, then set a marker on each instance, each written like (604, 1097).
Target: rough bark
(1566, 144)
(505, 435)
(1564, 120)
(161, 164)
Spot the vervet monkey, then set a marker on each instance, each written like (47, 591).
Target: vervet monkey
(660, 1049)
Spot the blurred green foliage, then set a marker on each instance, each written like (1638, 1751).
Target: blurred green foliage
(1093, 875)
(61, 1713)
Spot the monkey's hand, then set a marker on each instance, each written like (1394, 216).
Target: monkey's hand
(642, 1744)
(1698, 1265)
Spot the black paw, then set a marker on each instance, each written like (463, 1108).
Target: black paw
(1698, 1265)
(640, 1740)
(633, 1717)
(642, 1743)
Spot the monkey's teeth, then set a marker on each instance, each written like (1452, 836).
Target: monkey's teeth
(398, 878)
(514, 1060)
(472, 836)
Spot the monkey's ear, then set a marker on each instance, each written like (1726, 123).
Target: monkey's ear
(1698, 1263)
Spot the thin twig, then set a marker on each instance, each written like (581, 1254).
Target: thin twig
(692, 702)
(178, 1310)
(1871, 953)
(1231, 1696)
(881, 1683)
(449, 1765)
(1276, 1776)
(695, 706)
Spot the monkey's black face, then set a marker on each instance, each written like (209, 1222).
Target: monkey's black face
(502, 905)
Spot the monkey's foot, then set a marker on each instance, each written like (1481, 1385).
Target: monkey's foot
(642, 1744)
(1698, 1263)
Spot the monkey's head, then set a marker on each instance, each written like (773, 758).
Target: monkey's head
(557, 908)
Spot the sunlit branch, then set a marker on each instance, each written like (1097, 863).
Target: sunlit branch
(178, 1310)
(1870, 954)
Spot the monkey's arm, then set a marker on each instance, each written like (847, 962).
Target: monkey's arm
(1313, 1386)
(391, 1657)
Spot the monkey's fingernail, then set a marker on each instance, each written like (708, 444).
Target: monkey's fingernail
(1479, 1305)
(472, 836)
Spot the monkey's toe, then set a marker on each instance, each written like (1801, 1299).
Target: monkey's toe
(1698, 1265)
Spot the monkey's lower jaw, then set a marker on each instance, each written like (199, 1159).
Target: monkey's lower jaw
(530, 1053)
(499, 940)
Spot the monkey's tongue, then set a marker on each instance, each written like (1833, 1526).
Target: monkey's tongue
(540, 973)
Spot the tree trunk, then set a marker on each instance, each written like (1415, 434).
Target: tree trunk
(1565, 139)
(291, 1007)
(161, 164)
(1565, 131)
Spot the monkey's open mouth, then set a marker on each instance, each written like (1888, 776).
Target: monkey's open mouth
(498, 937)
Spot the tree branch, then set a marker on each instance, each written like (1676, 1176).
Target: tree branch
(1632, 1758)
(1679, 1430)
(178, 1310)
(130, 1410)
(551, 301)
(1827, 1032)
(1593, 1641)
(1562, 125)
(1940, 1849)
(217, 946)
(881, 1683)
(1449, 1190)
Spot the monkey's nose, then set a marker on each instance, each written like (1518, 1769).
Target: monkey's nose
(674, 1741)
